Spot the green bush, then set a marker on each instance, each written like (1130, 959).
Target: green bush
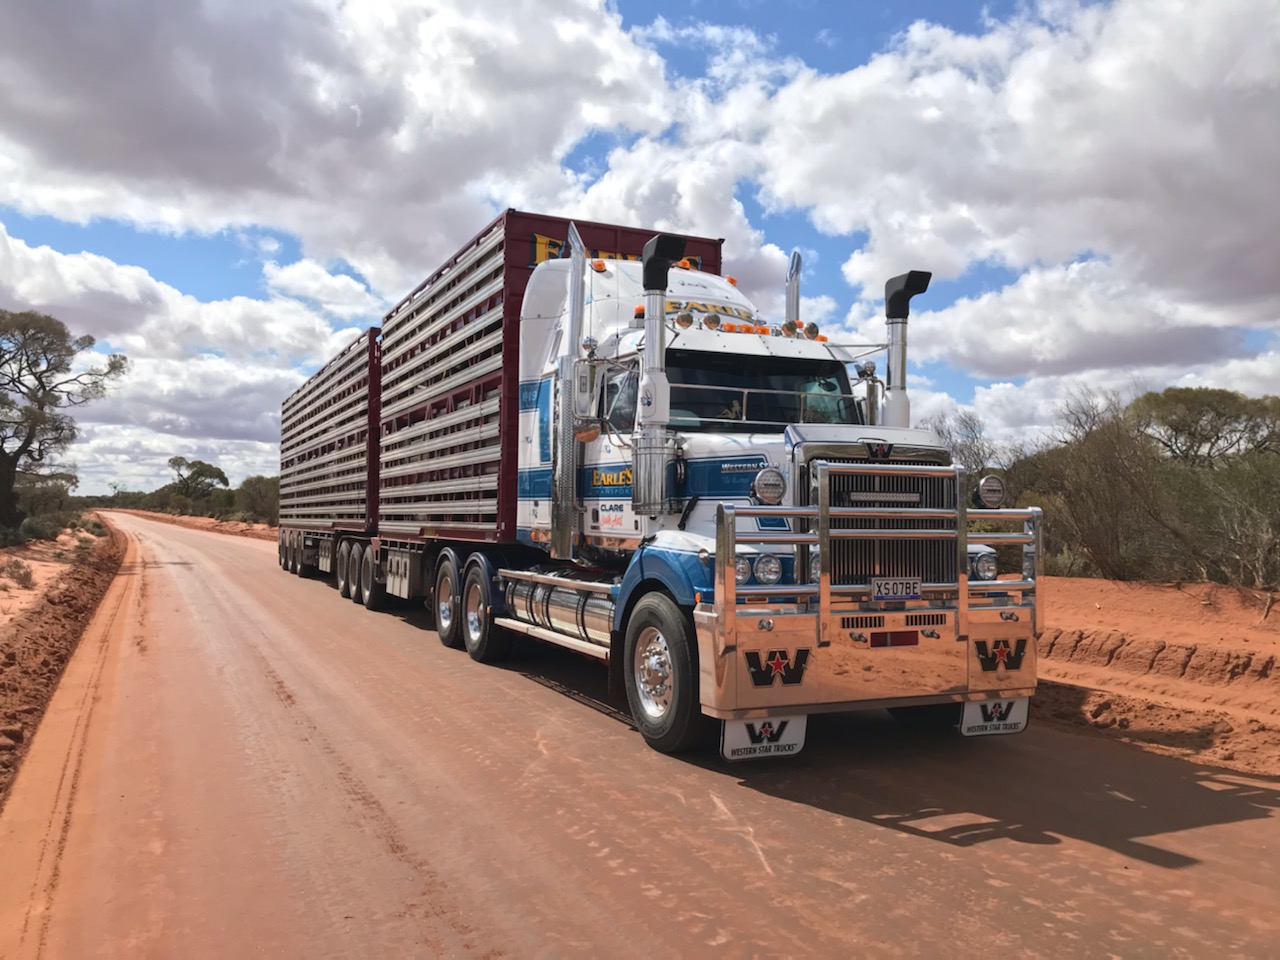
(19, 572)
(96, 527)
(39, 528)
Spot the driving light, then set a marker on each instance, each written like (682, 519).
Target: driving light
(712, 322)
(684, 319)
(984, 567)
(741, 569)
(811, 331)
(768, 569)
(990, 492)
(769, 486)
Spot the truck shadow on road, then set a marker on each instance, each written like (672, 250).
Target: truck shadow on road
(1036, 787)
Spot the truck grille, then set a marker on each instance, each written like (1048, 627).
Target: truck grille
(855, 562)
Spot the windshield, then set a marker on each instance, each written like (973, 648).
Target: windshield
(735, 393)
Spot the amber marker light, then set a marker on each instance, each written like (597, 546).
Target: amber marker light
(733, 281)
(597, 266)
(639, 312)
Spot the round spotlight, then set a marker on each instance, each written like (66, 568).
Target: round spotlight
(768, 569)
(990, 492)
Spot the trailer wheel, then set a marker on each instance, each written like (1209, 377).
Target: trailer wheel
(295, 557)
(929, 716)
(341, 573)
(283, 551)
(485, 642)
(448, 623)
(353, 570)
(373, 592)
(661, 674)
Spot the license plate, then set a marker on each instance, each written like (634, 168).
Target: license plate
(895, 588)
(984, 717)
(771, 737)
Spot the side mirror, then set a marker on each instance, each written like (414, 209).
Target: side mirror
(584, 388)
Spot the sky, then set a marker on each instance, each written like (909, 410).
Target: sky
(228, 192)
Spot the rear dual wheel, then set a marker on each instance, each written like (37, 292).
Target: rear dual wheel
(485, 641)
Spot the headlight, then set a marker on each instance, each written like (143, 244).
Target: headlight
(815, 565)
(768, 569)
(769, 486)
(741, 569)
(1028, 566)
(990, 492)
(984, 567)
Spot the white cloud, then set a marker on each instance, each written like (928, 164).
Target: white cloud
(1116, 160)
(336, 294)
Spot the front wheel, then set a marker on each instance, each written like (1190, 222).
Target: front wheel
(661, 674)
(448, 623)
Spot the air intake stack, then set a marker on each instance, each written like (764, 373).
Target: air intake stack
(897, 305)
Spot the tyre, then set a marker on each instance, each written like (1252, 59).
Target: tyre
(660, 662)
(353, 570)
(295, 556)
(340, 569)
(929, 716)
(283, 551)
(448, 623)
(485, 642)
(373, 592)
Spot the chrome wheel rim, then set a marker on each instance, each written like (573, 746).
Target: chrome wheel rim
(652, 669)
(444, 605)
(472, 613)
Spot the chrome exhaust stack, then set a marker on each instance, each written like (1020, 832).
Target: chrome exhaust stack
(564, 468)
(793, 291)
(897, 305)
(653, 404)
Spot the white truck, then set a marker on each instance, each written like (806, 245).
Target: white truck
(553, 437)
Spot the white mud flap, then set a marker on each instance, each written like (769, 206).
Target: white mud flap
(771, 737)
(984, 717)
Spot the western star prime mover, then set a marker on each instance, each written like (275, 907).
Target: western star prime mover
(584, 434)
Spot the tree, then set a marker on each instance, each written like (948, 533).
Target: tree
(1203, 426)
(260, 497)
(195, 478)
(37, 385)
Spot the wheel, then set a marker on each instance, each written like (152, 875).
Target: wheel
(283, 551)
(929, 716)
(661, 674)
(373, 592)
(448, 623)
(295, 556)
(340, 571)
(485, 642)
(353, 570)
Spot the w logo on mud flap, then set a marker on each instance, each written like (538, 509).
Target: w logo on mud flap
(767, 732)
(778, 664)
(999, 653)
(997, 712)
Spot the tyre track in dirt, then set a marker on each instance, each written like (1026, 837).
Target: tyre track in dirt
(35, 848)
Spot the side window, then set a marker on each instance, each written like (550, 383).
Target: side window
(620, 400)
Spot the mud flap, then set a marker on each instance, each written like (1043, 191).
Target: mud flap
(984, 717)
(771, 737)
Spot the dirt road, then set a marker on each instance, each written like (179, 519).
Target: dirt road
(239, 763)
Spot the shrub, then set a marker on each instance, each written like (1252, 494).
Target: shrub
(19, 572)
(96, 527)
(39, 528)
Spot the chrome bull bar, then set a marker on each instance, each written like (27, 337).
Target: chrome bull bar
(810, 527)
